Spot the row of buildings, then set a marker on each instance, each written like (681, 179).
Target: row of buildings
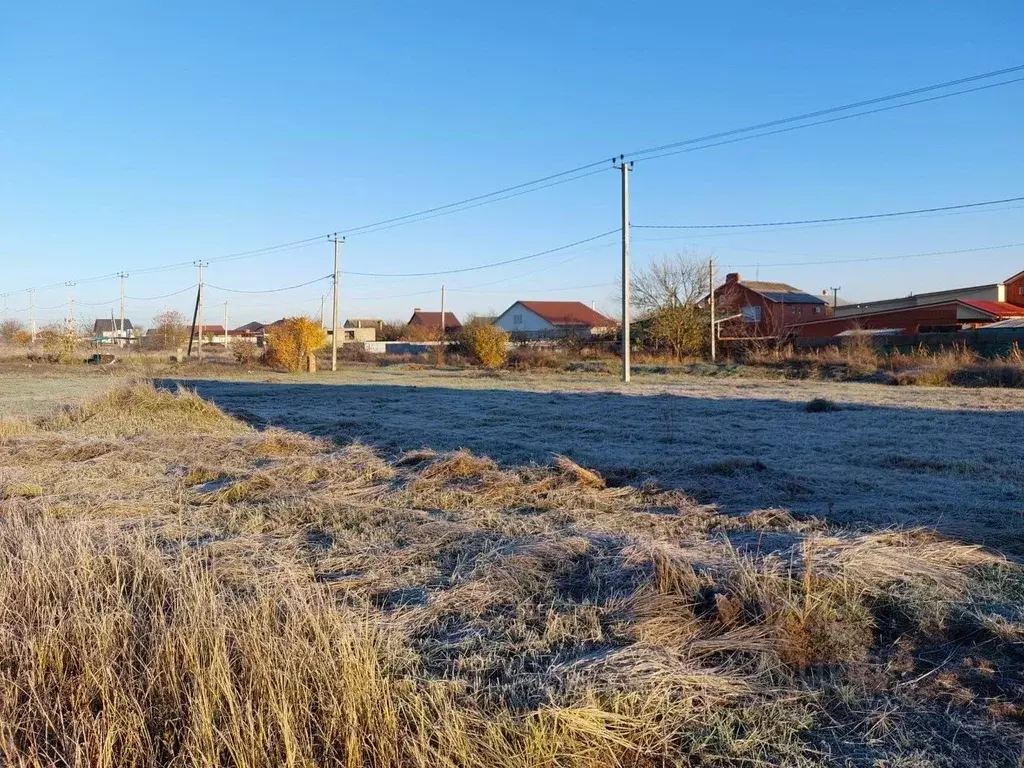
(744, 310)
(525, 319)
(755, 309)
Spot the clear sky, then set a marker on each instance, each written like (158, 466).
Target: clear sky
(140, 134)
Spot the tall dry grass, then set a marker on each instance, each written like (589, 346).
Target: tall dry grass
(201, 593)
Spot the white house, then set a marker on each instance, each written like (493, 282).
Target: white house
(552, 319)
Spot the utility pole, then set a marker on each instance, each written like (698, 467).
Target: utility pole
(334, 321)
(32, 313)
(442, 315)
(835, 297)
(199, 309)
(71, 305)
(322, 320)
(225, 319)
(5, 307)
(711, 293)
(625, 168)
(122, 275)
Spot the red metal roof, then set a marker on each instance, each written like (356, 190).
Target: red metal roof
(568, 313)
(999, 309)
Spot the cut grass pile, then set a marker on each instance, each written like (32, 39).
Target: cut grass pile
(189, 591)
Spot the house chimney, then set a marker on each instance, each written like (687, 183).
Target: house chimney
(732, 277)
(416, 309)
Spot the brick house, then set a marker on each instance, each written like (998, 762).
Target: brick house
(754, 309)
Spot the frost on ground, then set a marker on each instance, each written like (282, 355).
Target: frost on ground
(178, 588)
(951, 459)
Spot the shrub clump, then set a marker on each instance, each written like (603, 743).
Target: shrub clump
(485, 343)
(291, 341)
(821, 405)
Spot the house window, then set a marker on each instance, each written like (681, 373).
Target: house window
(1020, 290)
(517, 319)
(817, 310)
(752, 314)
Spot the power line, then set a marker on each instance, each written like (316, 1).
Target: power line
(830, 120)
(162, 296)
(582, 171)
(831, 110)
(881, 258)
(272, 290)
(830, 220)
(484, 266)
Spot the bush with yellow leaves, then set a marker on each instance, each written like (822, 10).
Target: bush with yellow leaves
(291, 341)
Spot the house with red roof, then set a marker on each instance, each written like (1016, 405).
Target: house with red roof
(950, 310)
(553, 319)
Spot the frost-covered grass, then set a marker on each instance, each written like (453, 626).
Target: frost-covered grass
(186, 589)
(947, 458)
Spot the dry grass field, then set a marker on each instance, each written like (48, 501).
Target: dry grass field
(691, 573)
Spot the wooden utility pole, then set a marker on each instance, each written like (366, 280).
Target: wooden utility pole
(334, 321)
(711, 293)
(32, 313)
(625, 168)
(199, 310)
(121, 343)
(442, 315)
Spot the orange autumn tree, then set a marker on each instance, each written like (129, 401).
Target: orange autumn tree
(292, 340)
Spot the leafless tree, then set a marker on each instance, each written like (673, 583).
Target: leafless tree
(678, 280)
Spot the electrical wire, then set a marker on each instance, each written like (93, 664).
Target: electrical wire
(272, 290)
(829, 111)
(829, 120)
(163, 296)
(882, 258)
(484, 266)
(649, 153)
(863, 217)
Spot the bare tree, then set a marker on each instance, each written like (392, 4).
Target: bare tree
(678, 280)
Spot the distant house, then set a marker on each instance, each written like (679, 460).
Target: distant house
(553, 319)
(364, 322)
(254, 331)
(109, 331)
(362, 329)
(215, 334)
(758, 309)
(421, 319)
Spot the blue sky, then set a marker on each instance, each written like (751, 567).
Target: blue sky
(134, 135)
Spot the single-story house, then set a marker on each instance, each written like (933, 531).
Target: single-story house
(421, 319)
(108, 330)
(552, 319)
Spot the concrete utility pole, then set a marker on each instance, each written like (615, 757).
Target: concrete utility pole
(32, 313)
(625, 168)
(225, 319)
(711, 293)
(5, 307)
(334, 321)
(835, 297)
(199, 310)
(122, 342)
(71, 305)
(322, 316)
(442, 314)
